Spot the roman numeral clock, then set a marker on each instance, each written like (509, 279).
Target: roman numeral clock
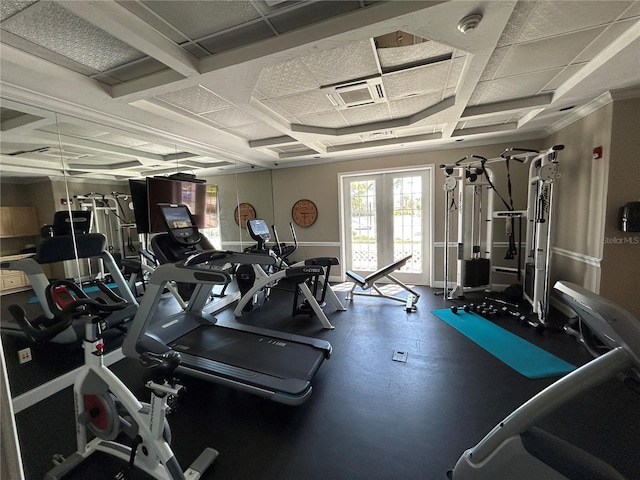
(304, 213)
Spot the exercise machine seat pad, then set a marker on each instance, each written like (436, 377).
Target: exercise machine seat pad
(62, 247)
(567, 459)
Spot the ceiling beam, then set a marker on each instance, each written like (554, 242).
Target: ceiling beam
(117, 21)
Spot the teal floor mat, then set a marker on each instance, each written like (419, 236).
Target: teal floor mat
(524, 357)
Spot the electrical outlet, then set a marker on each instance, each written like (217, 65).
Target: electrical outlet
(24, 355)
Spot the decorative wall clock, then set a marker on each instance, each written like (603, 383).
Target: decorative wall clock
(244, 212)
(304, 213)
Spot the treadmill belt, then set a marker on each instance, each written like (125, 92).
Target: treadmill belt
(258, 353)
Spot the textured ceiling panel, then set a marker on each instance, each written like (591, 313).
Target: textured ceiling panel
(416, 81)
(563, 76)
(555, 18)
(494, 63)
(81, 131)
(285, 78)
(610, 34)
(423, 130)
(121, 140)
(276, 109)
(310, 102)
(310, 13)
(237, 37)
(482, 122)
(516, 23)
(48, 25)
(367, 114)
(411, 54)
(408, 106)
(352, 62)
(11, 7)
(329, 119)
(140, 68)
(231, 117)
(204, 17)
(544, 54)
(256, 131)
(457, 65)
(195, 99)
(157, 149)
(512, 87)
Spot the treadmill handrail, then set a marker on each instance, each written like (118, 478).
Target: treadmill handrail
(188, 274)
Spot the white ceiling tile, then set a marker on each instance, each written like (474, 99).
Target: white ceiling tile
(563, 76)
(405, 107)
(416, 81)
(304, 103)
(157, 149)
(285, 78)
(549, 18)
(632, 11)
(457, 65)
(195, 100)
(353, 61)
(82, 131)
(255, 131)
(610, 34)
(545, 54)
(275, 108)
(496, 59)
(48, 25)
(203, 17)
(367, 114)
(411, 54)
(421, 130)
(122, 140)
(328, 119)
(518, 19)
(482, 122)
(512, 87)
(11, 7)
(231, 117)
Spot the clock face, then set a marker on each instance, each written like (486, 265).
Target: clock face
(304, 213)
(244, 212)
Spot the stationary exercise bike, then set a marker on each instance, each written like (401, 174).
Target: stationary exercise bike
(107, 409)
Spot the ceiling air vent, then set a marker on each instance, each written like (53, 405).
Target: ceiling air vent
(355, 94)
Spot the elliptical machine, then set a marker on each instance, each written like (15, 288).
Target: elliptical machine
(106, 408)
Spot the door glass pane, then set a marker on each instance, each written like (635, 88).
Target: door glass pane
(407, 221)
(364, 255)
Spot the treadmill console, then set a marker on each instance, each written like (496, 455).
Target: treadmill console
(180, 224)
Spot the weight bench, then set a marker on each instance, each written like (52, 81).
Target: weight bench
(369, 283)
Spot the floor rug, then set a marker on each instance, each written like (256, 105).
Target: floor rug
(524, 357)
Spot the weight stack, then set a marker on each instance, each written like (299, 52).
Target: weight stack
(477, 272)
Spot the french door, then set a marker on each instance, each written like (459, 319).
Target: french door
(386, 216)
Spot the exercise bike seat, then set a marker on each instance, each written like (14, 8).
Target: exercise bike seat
(160, 364)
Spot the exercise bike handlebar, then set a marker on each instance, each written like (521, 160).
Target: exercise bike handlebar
(83, 304)
(43, 329)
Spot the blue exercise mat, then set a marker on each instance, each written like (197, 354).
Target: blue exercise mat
(85, 290)
(524, 357)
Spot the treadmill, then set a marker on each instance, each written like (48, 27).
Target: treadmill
(275, 365)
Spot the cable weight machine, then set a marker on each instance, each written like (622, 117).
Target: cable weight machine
(475, 206)
(543, 172)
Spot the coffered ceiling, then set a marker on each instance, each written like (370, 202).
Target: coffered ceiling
(117, 89)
